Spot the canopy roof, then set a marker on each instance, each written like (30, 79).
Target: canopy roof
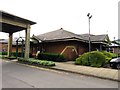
(12, 23)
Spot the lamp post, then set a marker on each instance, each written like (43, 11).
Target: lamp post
(89, 17)
(114, 45)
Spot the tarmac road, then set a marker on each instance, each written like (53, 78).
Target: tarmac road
(20, 76)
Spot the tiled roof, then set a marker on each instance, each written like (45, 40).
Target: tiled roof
(61, 34)
(95, 38)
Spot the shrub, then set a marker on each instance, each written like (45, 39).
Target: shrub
(12, 57)
(13, 54)
(3, 53)
(19, 54)
(94, 58)
(109, 55)
(51, 57)
(97, 59)
(21, 59)
(82, 60)
(3, 56)
(36, 62)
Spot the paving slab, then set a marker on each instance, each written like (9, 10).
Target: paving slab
(105, 73)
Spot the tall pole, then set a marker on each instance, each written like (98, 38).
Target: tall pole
(89, 38)
(89, 17)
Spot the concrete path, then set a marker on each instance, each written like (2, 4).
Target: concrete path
(104, 73)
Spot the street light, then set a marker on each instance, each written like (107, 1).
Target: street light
(114, 45)
(89, 17)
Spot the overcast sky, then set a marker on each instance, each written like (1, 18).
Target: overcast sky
(70, 15)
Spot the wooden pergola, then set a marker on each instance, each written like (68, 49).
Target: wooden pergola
(10, 24)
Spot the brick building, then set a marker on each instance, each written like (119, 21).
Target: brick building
(3, 45)
(67, 43)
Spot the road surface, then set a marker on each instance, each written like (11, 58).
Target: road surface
(20, 76)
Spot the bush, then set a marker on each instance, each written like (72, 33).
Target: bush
(94, 59)
(12, 57)
(21, 60)
(109, 55)
(36, 62)
(19, 54)
(51, 57)
(3, 56)
(13, 54)
(3, 53)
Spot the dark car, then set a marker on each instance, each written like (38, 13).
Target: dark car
(115, 63)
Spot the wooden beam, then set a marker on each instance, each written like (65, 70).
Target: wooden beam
(13, 22)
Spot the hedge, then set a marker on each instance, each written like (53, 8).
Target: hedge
(3, 53)
(51, 57)
(12, 57)
(95, 58)
(3, 56)
(109, 55)
(13, 54)
(19, 54)
(36, 62)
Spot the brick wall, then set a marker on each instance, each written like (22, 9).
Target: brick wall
(3, 47)
(70, 49)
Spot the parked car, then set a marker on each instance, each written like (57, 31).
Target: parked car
(115, 63)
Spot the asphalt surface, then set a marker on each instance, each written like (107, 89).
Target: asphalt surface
(20, 76)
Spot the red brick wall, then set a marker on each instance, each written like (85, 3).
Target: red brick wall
(3, 47)
(82, 47)
(69, 53)
(14, 49)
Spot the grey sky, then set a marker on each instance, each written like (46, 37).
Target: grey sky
(70, 15)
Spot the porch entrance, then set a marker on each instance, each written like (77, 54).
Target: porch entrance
(10, 24)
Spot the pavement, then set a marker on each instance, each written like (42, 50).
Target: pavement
(104, 73)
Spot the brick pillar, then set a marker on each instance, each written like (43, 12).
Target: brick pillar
(10, 44)
(27, 42)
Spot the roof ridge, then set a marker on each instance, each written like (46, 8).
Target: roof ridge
(61, 29)
(59, 34)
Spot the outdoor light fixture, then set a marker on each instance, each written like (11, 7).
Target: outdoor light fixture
(88, 14)
(89, 17)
